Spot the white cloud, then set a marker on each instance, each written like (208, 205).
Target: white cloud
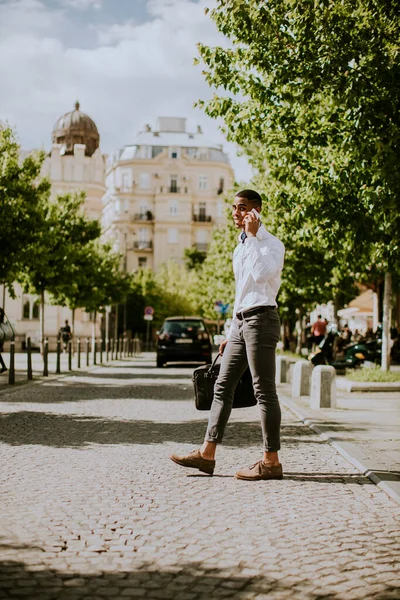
(136, 73)
(82, 4)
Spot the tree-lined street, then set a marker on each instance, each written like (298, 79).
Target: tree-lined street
(93, 508)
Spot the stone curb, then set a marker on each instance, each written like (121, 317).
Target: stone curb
(364, 386)
(388, 482)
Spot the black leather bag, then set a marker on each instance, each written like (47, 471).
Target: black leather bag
(204, 379)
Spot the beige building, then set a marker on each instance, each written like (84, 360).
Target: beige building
(164, 194)
(74, 163)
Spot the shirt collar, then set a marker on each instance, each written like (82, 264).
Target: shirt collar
(261, 233)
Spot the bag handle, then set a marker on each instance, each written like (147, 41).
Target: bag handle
(213, 365)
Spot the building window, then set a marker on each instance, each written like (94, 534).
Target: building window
(126, 183)
(202, 211)
(172, 235)
(35, 310)
(201, 236)
(202, 182)
(142, 261)
(173, 207)
(26, 307)
(30, 308)
(174, 152)
(173, 183)
(144, 181)
(117, 205)
(221, 186)
(143, 232)
(126, 205)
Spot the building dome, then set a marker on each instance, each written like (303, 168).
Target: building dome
(76, 128)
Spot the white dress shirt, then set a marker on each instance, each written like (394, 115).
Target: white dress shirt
(257, 264)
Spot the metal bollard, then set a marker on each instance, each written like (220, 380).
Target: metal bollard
(116, 349)
(79, 352)
(58, 363)
(87, 352)
(69, 355)
(121, 344)
(94, 351)
(101, 351)
(46, 358)
(11, 371)
(107, 348)
(29, 357)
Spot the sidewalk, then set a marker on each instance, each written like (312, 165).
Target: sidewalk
(364, 428)
(21, 376)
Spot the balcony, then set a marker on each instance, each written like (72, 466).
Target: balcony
(202, 218)
(173, 189)
(143, 245)
(201, 247)
(146, 216)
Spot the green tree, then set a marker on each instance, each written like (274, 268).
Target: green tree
(60, 244)
(313, 96)
(23, 197)
(94, 281)
(194, 258)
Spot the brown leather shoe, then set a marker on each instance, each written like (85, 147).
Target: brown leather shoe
(194, 460)
(260, 471)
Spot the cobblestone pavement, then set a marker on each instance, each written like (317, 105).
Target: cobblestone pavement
(91, 507)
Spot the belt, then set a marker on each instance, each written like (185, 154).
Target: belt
(257, 310)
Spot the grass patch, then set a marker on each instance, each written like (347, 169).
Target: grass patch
(290, 354)
(374, 374)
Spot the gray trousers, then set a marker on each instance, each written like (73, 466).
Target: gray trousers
(252, 343)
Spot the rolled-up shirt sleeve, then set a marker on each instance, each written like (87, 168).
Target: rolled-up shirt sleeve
(264, 263)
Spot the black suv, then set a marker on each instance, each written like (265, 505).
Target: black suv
(183, 339)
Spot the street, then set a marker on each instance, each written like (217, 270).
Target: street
(92, 508)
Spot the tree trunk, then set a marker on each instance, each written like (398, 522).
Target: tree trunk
(387, 309)
(375, 311)
(336, 304)
(116, 323)
(94, 330)
(42, 322)
(73, 328)
(299, 330)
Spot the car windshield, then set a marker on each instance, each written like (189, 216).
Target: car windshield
(183, 328)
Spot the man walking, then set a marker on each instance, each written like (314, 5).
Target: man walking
(252, 339)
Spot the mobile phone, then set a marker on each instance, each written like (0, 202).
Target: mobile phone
(255, 212)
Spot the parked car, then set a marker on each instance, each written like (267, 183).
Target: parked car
(183, 339)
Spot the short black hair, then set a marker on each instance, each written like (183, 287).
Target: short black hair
(250, 195)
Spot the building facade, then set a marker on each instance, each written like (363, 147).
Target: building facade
(164, 194)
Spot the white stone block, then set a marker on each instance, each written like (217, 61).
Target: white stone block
(323, 387)
(282, 369)
(301, 378)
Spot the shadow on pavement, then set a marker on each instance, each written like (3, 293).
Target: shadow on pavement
(192, 580)
(78, 431)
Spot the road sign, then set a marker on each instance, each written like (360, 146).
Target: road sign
(148, 317)
(149, 310)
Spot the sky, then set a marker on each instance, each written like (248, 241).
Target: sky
(126, 61)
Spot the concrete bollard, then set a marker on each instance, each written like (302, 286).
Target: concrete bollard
(282, 369)
(323, 387)
(301, 378)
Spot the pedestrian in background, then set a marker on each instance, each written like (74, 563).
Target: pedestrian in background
(318, 330)
(65, 335)
(252, 339)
